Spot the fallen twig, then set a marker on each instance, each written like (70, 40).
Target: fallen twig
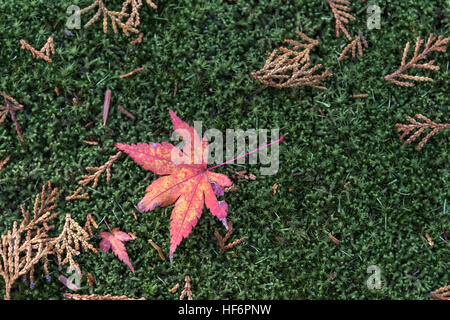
(132, 72)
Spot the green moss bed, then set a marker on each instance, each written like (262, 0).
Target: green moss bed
(208, 49)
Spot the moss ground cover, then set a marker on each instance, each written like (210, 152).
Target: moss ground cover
(207, 49)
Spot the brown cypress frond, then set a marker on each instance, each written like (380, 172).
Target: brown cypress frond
(71, 238)
(28, 243)
(442, 293)
(421, 127)
(98, 172)
(87, 226)
(77, 195)
(342, 16)
(439, 45)
(221, 240)
(11, 106)
(133, 19)
(114, 16)
(44, 53)
(357, 43)
(75, 296)
(187, 289)
(292, 68)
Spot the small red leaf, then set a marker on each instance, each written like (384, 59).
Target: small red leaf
(114, 241)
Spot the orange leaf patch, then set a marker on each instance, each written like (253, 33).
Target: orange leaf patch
(186, 180)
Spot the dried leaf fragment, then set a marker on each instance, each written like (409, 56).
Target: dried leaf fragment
(333, 238)
(275, 188)
(4, 161)
(174, 288)
(430, 241)
(91, 142)
(157, 248)
(126, 112)
(361, 96)
(106, 106)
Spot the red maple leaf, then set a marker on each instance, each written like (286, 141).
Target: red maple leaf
(186, 180)
(114, 240)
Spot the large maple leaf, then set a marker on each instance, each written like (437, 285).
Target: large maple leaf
(188, 183)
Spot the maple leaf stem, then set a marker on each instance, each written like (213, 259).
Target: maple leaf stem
(248, 153)
(104, 220)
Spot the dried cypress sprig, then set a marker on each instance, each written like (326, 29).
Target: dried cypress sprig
(77, 195)
(114, 16)
(187, 289)
(75, 296)
(420, 126)
(11, 106)
(439, 45)
(134, 19)
(87, 226)
(98, 171)
(357, 43)
(341, 14)
(44, 53)
(442, 293)
(222, 240)
(292, 68)
(72, 238)
(27, 244)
